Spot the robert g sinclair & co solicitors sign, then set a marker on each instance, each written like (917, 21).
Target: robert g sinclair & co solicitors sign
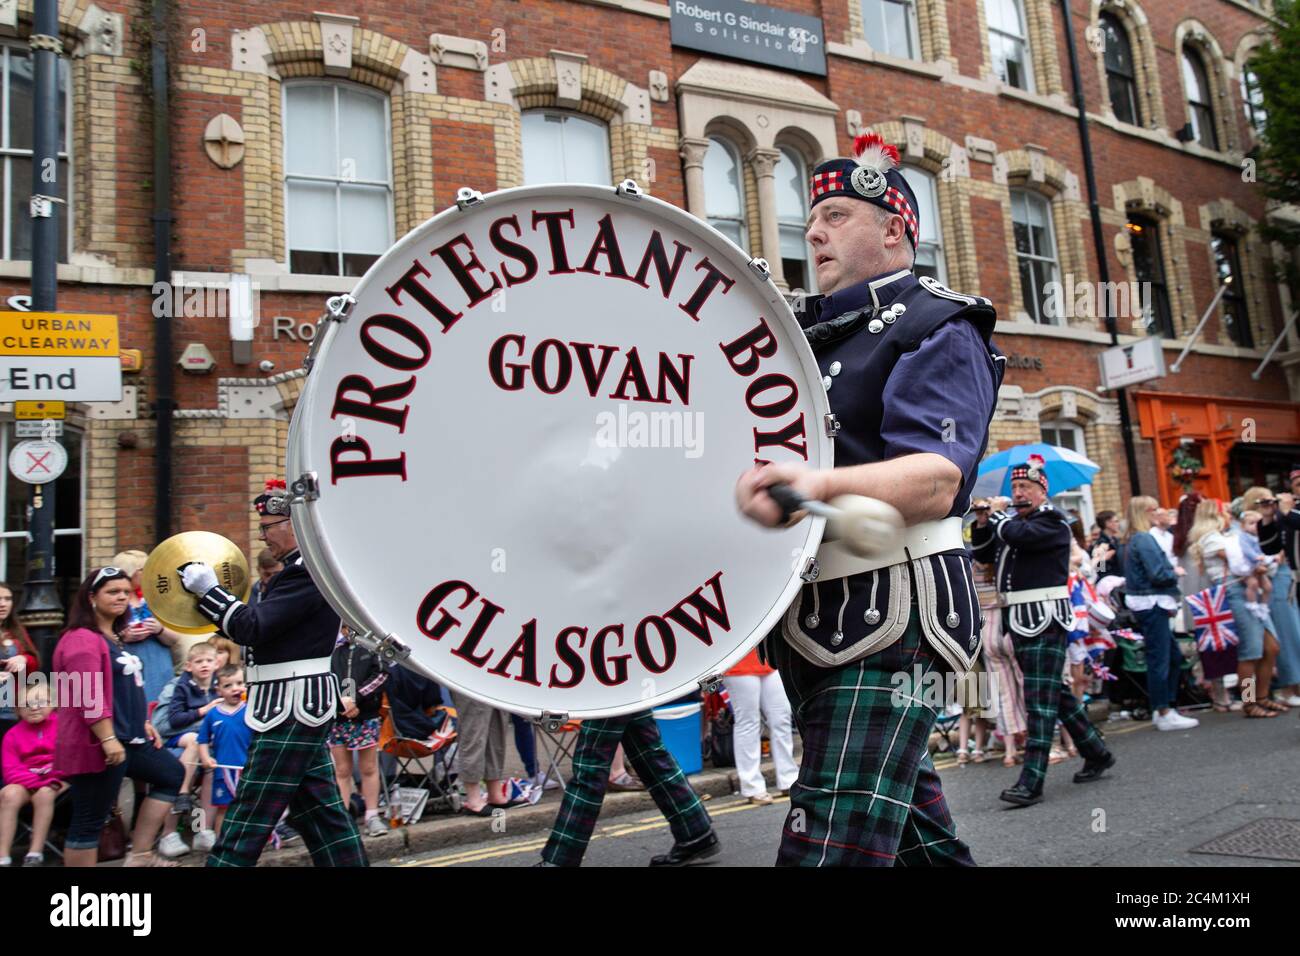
(748, 31)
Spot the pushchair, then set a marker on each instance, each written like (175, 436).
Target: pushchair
(1127, 664)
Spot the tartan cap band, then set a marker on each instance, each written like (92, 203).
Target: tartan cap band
(1027, 472)
(835, 178)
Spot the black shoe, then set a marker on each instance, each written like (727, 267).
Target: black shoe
(683, 853)
(1022, 796)
(1093, 769)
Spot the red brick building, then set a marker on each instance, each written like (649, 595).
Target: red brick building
(304, 141)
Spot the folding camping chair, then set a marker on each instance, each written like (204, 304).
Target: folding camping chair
(557, 742)
(418, 765)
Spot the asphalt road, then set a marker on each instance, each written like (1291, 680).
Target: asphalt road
(1168, 793)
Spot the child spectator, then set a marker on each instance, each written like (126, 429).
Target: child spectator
(1259, 582)
(227, 652)
(17, 658)
(223, 747)
(361, 676)
(29, 775)
(192, 698)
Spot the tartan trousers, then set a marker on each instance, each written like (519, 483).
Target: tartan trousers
(868, 793)
(1047, 700)
(289, 766)
(645, 751)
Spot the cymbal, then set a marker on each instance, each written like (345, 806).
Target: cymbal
(175, 607)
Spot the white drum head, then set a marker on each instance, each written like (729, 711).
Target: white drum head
(537, 497)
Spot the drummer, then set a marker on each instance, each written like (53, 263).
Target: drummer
(292, 701)
(913, 381)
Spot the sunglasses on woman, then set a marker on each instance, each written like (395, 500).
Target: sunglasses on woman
(107, 573)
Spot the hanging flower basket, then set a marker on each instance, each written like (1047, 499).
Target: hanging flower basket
(1184, 467)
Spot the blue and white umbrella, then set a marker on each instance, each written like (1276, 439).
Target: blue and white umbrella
(1066, 469)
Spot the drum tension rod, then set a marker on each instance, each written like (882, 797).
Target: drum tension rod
(711, 684)
(761, 267)
(552, 722)
(812, 571)
(387, 647)
(832, 425)
(466, 197)
(305, 488)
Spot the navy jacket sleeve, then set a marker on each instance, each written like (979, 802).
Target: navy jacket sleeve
(279, 612)
(1048, 533)
(984, 543)
(180, 709)
(1270, 536)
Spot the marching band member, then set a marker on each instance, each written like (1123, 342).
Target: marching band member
(1279, 522)
(1031, 553)
(292, 702)
(913, 381)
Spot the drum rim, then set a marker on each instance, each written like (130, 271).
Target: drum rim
(318, 554)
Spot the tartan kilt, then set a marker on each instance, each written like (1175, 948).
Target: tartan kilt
(289, 767)
(867, 793)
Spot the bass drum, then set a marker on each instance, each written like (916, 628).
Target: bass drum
(516, 451)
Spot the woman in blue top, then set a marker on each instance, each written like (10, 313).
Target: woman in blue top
(144, 633)
(1151, 593)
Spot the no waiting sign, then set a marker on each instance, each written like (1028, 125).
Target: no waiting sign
(38, 462)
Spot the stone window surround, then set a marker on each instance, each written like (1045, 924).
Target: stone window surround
(1033, 170)
(758, 111)
(1143, 197)
(932, 36)
(1040, 37)
(1224, 216)
(1220, 73)
(1245, 46)
(1145, 65)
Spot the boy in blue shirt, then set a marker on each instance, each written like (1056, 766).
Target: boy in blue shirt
(223, 744)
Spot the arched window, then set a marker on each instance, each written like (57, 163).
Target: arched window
(1031, 224)
(792, 219)
(565, 148)
(1066, 434)
(1252, 100)
(337, 177)
(1149, 269)
(1121, 78)
(1227, 263)
(1200, 108)
(929, 246)
(1009, 43)
(16, 142)
(724, 191)
(890, 26)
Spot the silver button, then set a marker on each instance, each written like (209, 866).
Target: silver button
(872, 616)
(835, 368)
(827, 382)
(812, 620)
(837, 639)
(952, 619)
(890, 316)
(874, 326)
(898, 308)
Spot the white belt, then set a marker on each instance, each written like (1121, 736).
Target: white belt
(1036, 594)
(261, 673)
(919, 541)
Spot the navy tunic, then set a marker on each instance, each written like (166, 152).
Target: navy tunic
(908, 370)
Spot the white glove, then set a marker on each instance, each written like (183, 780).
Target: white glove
(197, 577)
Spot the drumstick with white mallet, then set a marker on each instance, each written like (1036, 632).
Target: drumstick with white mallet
(868, 527)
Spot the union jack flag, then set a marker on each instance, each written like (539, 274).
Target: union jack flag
(1080, 591)
(1212, 619)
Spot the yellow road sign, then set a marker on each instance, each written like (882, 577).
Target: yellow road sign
(37, 411)
(64, 334)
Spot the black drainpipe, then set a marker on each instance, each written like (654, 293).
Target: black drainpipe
(1099, 242)
(164, 361)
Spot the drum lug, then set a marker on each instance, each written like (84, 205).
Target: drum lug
(388, 647)
(761, 267)
(552, 722)
(466, 197)
(812, 570)
(832, 424)
(628, 189)
(711, 684)
(339, 307)
(305, 488)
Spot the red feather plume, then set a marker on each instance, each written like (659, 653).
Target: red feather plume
(275, 484)
(1038, 461)
(871, 151)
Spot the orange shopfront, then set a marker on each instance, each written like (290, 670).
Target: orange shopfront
(1238, 442)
